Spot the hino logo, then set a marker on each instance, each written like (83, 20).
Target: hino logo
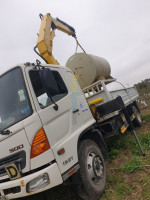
(16, 148)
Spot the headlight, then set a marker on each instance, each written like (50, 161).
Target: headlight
(38, 183)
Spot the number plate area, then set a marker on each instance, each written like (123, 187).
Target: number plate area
(12, 171)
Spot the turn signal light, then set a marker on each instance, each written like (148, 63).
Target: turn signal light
(40, 144)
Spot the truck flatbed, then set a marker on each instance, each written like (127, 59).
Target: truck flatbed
(99, 89)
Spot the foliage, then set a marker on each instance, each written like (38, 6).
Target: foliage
(143, 87)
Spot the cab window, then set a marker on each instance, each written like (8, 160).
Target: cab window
(39, 89)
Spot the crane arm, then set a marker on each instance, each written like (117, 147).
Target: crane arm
(46, 36)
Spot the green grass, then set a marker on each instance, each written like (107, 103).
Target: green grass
(116, 144)
(127, 141)
(113, 153)
(146, 188)
(119, 192)
(127, 160)
(145, 141)
(119, 189)
(146, 117)
(134, 165)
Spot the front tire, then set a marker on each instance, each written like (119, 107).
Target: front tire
(91, 178)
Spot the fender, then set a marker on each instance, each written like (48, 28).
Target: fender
(95, 135)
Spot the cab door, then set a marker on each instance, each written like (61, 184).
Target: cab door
(56, 123)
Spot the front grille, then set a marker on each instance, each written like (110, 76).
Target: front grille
(18, 158)
(13, 190)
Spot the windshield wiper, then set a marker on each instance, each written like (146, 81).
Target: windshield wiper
(7, 132)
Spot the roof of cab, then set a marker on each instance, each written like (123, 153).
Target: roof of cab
(28, 64)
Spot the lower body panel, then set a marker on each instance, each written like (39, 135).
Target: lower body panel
(18, 188)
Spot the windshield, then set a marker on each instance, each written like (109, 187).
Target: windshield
(14, 102)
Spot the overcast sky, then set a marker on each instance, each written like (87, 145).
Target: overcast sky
(118, 30)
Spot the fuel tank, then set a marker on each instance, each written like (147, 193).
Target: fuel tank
(88, 68)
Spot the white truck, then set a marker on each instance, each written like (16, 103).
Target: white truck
(51, 129)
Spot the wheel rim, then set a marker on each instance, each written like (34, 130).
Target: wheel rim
(95, 167)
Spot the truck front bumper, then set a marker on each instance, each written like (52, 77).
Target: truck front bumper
(20, 187)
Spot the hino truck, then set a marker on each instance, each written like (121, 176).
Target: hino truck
(54, 120)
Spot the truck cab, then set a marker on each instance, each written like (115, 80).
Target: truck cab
(51, 129)
(39, 133)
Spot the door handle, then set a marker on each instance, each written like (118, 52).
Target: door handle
(77, 110)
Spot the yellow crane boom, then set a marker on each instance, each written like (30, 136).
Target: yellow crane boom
(46, 36)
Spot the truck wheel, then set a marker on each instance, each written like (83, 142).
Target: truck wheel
(91, 178)
(138, 118)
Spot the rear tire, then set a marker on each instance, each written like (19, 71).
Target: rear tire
(138, 117)
(91, 178)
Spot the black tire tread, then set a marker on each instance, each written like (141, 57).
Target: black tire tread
(85, 189)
